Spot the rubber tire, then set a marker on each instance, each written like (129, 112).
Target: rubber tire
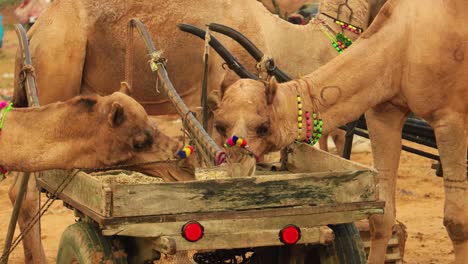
(83, 243)
(347, 248)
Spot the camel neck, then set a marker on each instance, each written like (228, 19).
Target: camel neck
(46, 134)
(372, 76)
(285, 113)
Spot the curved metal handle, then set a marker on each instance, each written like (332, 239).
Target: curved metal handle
(210, 151)
(250, 47)
(230, 60)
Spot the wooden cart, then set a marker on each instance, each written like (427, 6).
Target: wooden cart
(320, 194)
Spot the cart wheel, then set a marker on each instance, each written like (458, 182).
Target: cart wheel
(82, 243)
(347, 248)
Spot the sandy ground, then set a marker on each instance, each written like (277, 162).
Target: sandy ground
(419, 198)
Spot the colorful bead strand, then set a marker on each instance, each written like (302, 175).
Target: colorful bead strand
(309, 127)
(318, 128)
(349, 27)
(343, 41)
(299, 117)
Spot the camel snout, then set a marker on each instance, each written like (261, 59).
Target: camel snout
(143, 141)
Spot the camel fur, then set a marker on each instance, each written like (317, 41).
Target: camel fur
(84, 132)
(286, 7)
(412, 58)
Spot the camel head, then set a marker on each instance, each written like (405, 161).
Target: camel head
(244, 109)
(123, 128)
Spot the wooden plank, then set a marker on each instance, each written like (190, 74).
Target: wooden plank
(244, 193)
(233, 233)
(303, 157)
(82, 189)
(370, 207)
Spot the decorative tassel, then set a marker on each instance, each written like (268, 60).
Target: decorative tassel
(3, 104)
(235, 141)
(3, 172)
(185, 152)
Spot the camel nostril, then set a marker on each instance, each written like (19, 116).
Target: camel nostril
(143, 142)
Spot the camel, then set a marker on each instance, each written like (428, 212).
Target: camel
(83, 132)
(385, 77)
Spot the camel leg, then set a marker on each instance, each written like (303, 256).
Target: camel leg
(385, 123)
(339, 137)
(33, 249)
(452, 135)
(323, 142)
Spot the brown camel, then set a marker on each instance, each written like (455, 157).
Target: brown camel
(84, 132)
(387, 73)
(96, 37)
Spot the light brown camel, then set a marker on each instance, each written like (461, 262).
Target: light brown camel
(84, 132)
(412, 58)
(94, 34)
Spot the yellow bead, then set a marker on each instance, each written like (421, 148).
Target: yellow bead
(239, 142)
(299, 99)
(187, 152)
(299, 112)
(299, 118)
(299, 106)
(299, 125)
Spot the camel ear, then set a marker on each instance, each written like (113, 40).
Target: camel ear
(214, 99)
(116, 115)
(229, 78)
(125, 88)
(270, 90)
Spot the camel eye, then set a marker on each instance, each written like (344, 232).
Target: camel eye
(221, 129)
(263, 129)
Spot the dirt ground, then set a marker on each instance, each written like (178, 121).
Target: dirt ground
(419, 197)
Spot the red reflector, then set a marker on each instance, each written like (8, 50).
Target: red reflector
(192, 231)
(290, 234)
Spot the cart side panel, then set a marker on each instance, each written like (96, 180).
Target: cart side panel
(270, 191)
(305, 158)
(84, 190)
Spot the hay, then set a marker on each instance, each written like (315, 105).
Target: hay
(125, 177)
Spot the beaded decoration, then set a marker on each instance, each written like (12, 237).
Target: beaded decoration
(349, 27)
(299, 117)
(335, 43)
(355, 29)
(318, 128)
(235, 141)
(312, 135)
(185, 152)
(343, 41)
